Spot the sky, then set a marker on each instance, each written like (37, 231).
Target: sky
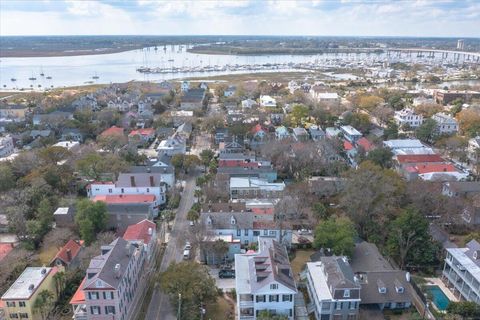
(422, 18)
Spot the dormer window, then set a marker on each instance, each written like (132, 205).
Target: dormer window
(382, 290)
(209, 220)
(346, 293)
(400, 289)
(233, 220)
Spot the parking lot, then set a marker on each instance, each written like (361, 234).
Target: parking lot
(225, 284)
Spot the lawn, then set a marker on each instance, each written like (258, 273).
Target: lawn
(220, 310)
(298, 263)
(46, 254)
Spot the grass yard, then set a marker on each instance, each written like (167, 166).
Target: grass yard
(46, 254)
(298, 263)
(220, 310)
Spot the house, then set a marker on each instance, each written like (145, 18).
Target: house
(141, 136)
(407, 117)
(237, 160)
(112, 132)
(220, 134)
(263, 172)
(445, 123)
(69, 145)
(232, 144)
(40, 133)
(192, 99)
(144, 233)
(64, 217)
(281, 133)
(332, 132)
(14, 112)
(6, 146)
(473, 149)
(185, 86)
(52, 118)
(172, 146)
(122, 215)
(210, 257)
(461, 271)
(258, 132)
(318, 94)
(131, 184)
(264, 281)
(326, 186)
(249, 187)
(22, 294)
(382, 286)
(114, 283)
(300, 134)
(267, 101)
(248, 104)
(332, 289)
(245, 226)
(365, 144)
(230, 91)
(350, 133)
(316, 133)
(447, 96)
(434, 172)
(460, 188)
(164, 172)
(407, 147)
(404, 160)
(72, 134)
(67, 256)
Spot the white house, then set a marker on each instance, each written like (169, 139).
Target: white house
(473, 148)
(264, 281)
(408, 117)
(248, 103)
(130, 184)
(230, 91)
(6, 146)
(445, 123)
(267, 101)
(333, 291)
(350, 133)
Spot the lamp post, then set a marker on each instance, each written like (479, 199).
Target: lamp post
(179, 306)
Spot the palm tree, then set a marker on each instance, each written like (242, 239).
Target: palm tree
(44, 303)
(59, 279)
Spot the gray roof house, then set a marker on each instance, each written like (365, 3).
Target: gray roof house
(122, 215)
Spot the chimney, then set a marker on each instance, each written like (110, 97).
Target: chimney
(69, 255)
(132, 181)
(152, 183)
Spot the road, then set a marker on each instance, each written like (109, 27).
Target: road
(160, 307)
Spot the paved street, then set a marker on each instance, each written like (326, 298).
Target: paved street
(160, 307)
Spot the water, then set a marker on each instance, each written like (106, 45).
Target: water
(121, 67)
(439, 298)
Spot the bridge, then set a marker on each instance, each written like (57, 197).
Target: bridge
(432, 53)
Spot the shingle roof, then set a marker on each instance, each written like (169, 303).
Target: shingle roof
(74, 247)
(140, 231)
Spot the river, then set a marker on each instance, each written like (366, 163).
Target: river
(121, 67)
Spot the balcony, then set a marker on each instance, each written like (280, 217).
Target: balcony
(80, 312)
(246, 301)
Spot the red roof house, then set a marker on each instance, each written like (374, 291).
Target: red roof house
(419, 158)
(67, 255)
(144, 230)
(347, 145)
(125, 198)
(5, 249)
(365, 144)
(112, 131)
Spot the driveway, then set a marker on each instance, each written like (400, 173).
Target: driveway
(225, 284)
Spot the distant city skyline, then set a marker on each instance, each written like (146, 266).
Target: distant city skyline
(420, 18)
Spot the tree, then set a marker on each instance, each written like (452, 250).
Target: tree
(7, 179)
(190, 161)
(360, 121)
(59, 280)
(93, 165)
(381, 157)
(266, 315)
(299, 113)
(428, 109)
(409, 241)
(320, 210)
(369, 102)
(53, 155)
(112, 143)
(465, 309)
(427, 131)
(43, 303)
(193, 282)
(91, 218)
(337, 234)
(391, 131)
(177, 161)
(469, 122)
(372, 196)
(193, 215)
(206, 157)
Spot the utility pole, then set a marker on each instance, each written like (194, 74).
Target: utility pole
(179, 313)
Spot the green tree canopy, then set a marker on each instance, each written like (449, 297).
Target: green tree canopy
(381, 157)
(337, 234)
(409, 241)
(91, 218)
(465, 309)
(193, 283)
(427, 131)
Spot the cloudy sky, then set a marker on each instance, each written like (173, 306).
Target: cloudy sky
(457, 18)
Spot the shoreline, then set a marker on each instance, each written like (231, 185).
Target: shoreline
(48, 54)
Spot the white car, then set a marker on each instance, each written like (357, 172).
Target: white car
(188, 246)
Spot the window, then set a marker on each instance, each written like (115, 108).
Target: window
(148, 189)
(265, 232)
(287, 297)
(13, 316)
(108, 295)
(273, 298)
(93, 296)
(23, 315)
(346, 293)
(245, 232)
(273, 233)
(10, 304)
(21, 303)
(256, 233)
(123, 190)
(109, 190)
(109, 309)
(274, 286)
(95, 310)
(239, 232)
(260, 298)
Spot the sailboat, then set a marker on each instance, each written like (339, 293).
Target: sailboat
(32, 78)
(95, 77)
(49, 77)
(41, 72)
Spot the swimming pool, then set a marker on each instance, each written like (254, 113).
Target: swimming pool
(439, 298)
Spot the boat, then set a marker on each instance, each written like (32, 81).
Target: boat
(49, 77)
(171, 60)
(95, 77)
(42, 74)
(13, 79)
(32, 78)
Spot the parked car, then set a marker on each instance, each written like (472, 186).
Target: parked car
(186, 254)
(188, 246)
(226, 274)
